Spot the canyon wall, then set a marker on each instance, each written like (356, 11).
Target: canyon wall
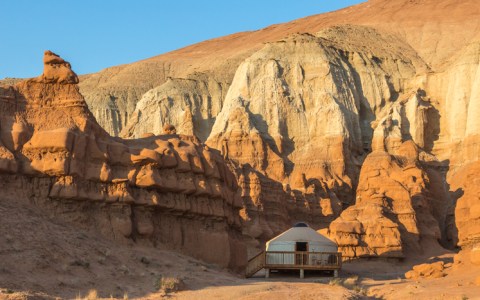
(436, 30)
(190, 104)
(369, 130)
(316, 123)
(168, 190)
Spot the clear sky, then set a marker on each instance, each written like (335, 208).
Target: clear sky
(95, 34)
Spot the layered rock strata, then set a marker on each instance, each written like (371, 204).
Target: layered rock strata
(299, 118)
(191, 105)
(317, 122)
(301, 112)
(167, 190)
(392, 214)
(301, 108)
(437, 30)
(394, 210)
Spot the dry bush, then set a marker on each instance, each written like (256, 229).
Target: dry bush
(169, 284)
(335, 281)
(350, 282)
(360, 289)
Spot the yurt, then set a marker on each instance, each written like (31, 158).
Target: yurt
(299, 238)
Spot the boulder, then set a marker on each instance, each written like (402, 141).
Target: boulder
(433, 270)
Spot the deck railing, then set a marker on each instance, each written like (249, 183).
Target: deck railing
(294, 260)
(303, 259)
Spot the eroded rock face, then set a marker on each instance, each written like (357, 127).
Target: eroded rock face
(392, 210)
(298, 115)
(466, 186)
(299, 118)
(191, 105)
(456, 89)
(301, 112)
(458, 142)
(400, 199)
(394, 207)
(302, 107)
(378, 120)
(436, 33)
(167, 189)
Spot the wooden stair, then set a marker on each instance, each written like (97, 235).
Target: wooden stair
(255, 264)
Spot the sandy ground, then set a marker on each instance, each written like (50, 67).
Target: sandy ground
(280, 290)
(44, 258)
(47, 256)
(384, 280)
(358, 280)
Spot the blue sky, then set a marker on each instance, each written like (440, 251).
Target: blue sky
(95, 34)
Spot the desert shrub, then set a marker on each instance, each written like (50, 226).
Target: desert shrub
(169, 284)
(350, 282)
(360, 289)
(335, 281)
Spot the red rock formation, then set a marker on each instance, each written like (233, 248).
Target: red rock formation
(300, 112)
(466, 186)
(300, 109)
(167, 189)
(56, 70)
(433, 270)
(296, 107)
(270, 207)
(392, 214)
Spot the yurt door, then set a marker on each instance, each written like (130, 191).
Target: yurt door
(301, 258)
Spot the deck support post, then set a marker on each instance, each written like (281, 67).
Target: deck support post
(267, 273)
(335, 273)
(302, 275)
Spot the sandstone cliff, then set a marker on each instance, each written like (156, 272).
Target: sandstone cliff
(191, 104)
(300, 110)
(309, 101)
(394, 208)
(374, 124)
(318, 116)
(437, 30)
(167, 189)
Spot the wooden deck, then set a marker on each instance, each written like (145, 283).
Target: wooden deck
(294, 260)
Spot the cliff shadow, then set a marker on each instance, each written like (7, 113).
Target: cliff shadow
(432, 130)
(442, 201)
(287, 144)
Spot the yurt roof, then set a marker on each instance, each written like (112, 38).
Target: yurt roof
(302, 234)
